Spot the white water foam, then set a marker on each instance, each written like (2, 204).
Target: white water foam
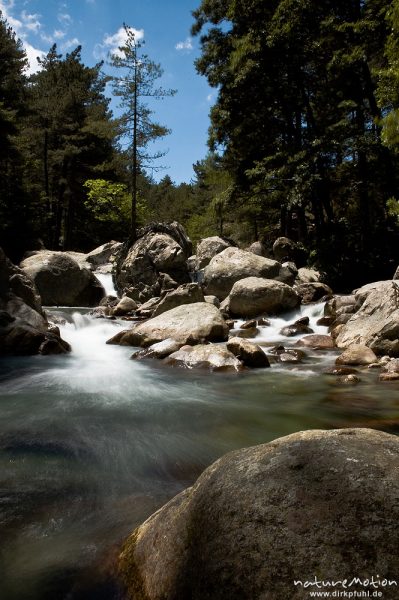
(106, 281)
(270, 334)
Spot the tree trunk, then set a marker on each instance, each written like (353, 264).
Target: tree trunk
(133, 222)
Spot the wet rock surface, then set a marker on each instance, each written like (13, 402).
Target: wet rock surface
(250, 354)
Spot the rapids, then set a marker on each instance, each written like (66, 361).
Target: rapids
(92, 443)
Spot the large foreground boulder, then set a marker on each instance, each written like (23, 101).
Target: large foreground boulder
(24, 329)
(161, 248)
(314, 505)
(61, 280)
(188, 324)
(376, 322)
(233, 264)
(254, 296)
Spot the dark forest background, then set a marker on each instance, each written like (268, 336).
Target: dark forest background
(303, 139)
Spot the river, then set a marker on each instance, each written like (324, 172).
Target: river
(92, 443)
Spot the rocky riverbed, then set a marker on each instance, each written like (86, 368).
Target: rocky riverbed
(206, 353)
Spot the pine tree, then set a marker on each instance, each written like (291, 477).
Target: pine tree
(14, 205)
(134, 86)
(70, 139)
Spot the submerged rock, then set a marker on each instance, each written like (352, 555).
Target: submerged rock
(248, 332)
(313, 504)
(188, 324)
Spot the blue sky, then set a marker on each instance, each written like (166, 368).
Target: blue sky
(165, 26)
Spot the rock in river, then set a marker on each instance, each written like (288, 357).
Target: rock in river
(61, 280)
(188, 293)
(24, 328)
(210, 356)
(188, 324)
(249, 353)
(376, 322)
(313, 504)
(254, 296)
(234, 264)
(208, 248)
(161, 248)
(357, 354)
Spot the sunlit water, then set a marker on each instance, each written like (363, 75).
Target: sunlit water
(92, 443)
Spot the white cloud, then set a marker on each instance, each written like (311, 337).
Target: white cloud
(32, 55)
(186, 46)
(209, 97)
(31, 22)
(111, 43)
(28, 24)
(56, 35)
(64, 18)
(72, 43)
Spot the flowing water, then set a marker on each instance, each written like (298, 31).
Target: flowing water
(92, 443)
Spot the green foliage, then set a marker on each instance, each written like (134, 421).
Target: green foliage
(393, 208)
(298, 116)
(109, 203)
(67, 139)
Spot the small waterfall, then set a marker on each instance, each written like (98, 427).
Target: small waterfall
(271, 333)
(80, 321)
(106, 281)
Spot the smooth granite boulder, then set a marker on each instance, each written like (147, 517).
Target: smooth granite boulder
(314, 504)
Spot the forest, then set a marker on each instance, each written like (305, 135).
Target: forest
(303, 138)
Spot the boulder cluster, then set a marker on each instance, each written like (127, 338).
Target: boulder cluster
(189, 302)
